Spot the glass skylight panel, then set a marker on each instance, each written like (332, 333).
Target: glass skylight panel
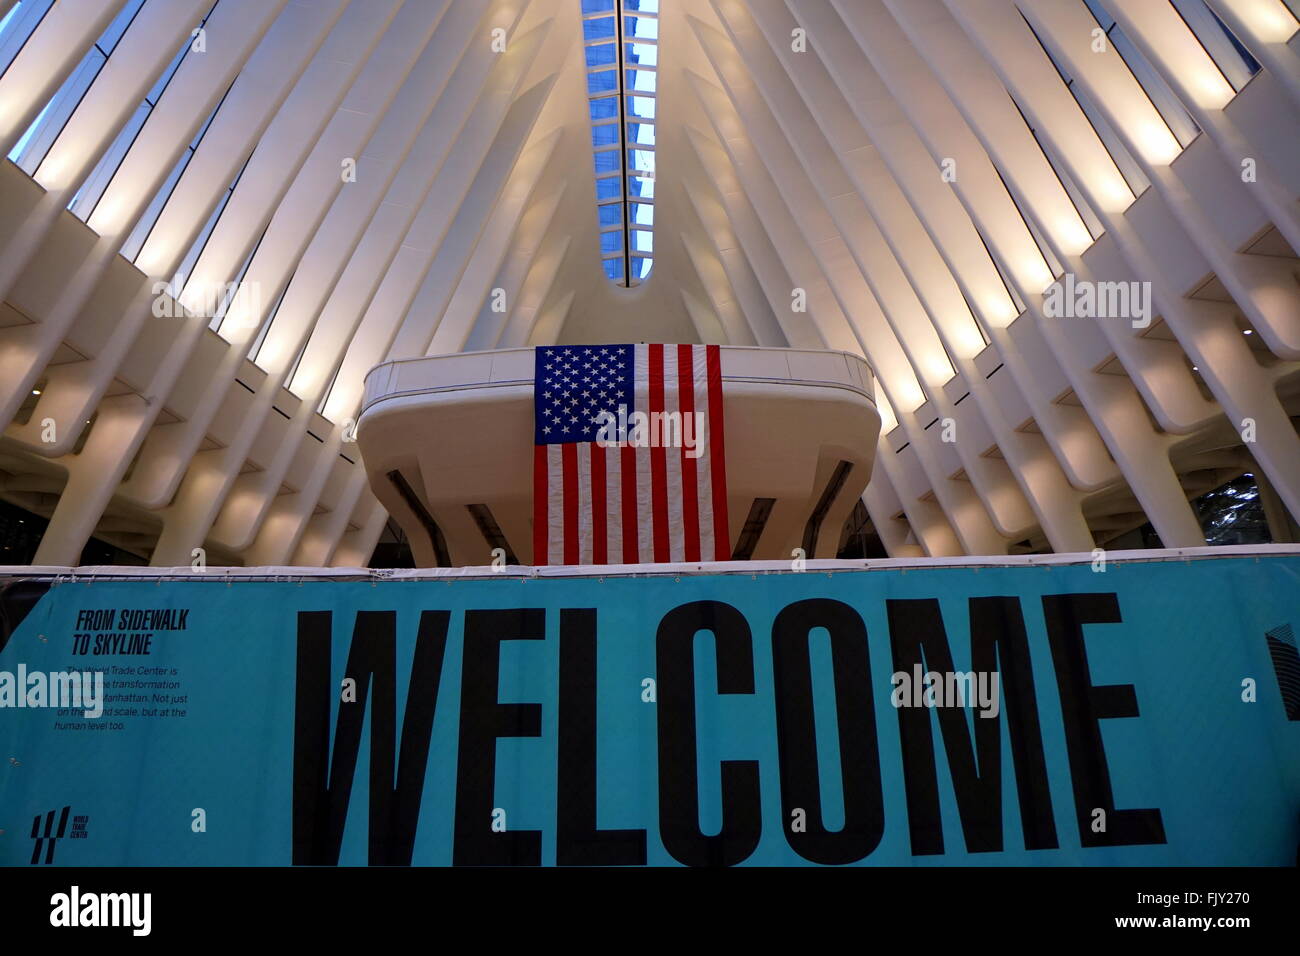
(640, 134)
(84, 202)
(604, 109)
(640, 81)
(17, 25)
(602, 54)
(641, 28)
(600, 28)
(605, 135)
(610, 215)
(602, 81)
(641, 54)
(1233, 59)
(607, 162)
(642, 214)
(641, 107)
(641, 186)
(8, 18)
(110, 37)
(621, 52)
(31, 149)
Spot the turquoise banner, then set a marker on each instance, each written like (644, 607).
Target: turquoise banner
(1144, 714)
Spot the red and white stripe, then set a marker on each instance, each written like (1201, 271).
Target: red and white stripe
(640, 505)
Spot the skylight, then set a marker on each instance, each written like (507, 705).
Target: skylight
(621, 39)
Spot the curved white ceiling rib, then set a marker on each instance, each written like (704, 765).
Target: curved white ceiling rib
(343, 182)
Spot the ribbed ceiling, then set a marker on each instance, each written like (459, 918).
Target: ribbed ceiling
(329, 184)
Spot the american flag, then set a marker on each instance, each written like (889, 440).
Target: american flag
(606, 490)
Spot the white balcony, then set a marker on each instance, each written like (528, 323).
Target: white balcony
(447, 443)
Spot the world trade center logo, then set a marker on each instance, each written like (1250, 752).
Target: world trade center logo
(47, 835)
